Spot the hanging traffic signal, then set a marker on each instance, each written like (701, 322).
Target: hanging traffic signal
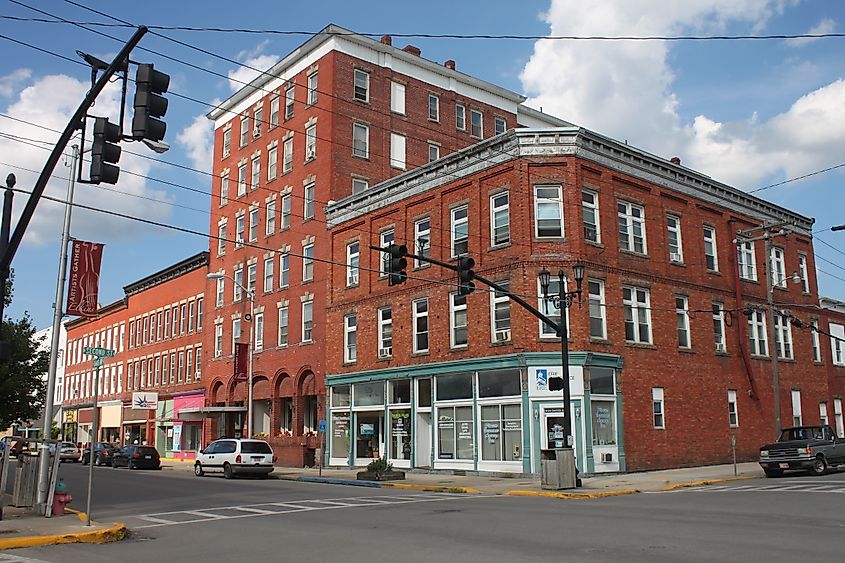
(105, 152)
(465, 275)
(397, 263)
(555, 383)
(149, 103)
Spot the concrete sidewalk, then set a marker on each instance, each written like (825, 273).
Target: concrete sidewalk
(23, 528)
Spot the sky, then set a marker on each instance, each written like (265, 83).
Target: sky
(750, 113)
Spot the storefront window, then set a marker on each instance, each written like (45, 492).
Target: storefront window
(455, 432)
(369, 394)
(400, 391)
(455, 386)
(368, 435)
(424, 392)
(601, 381)
(501, 433)
(192, 436)
(498, 383)
(604, 423)
(340, 396)
(400, 434)
(340, 434)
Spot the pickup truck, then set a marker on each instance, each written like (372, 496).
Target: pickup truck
(813, 448)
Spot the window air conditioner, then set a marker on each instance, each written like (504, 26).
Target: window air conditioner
(675, 256)
(311, 152)
(503, 335)
(720, 346)
(385, 352)
(607, 458)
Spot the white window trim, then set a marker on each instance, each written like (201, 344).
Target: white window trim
(537, 204)
(498, 336)
(350, 338)
(733, 409)
(415, 316)
(630, 221)
(454, 309)
(397, 151)
(657, 397)
(353, 255)
(747, 271)
(384, 351)
(783, 337)
(675, 257)
(594, 206)
(426, 236)
(682, 314)
(757, 333)
(778, 265)
(494, 208)
(711, 239)
(454, 224)
(602, 307)
(719, 317)
(636, 306)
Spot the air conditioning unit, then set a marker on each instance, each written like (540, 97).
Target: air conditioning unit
(256, 132)
(720, 346)
(385, 352)
(675, 256)
(607, 458)
(503, 335)
(310, 152)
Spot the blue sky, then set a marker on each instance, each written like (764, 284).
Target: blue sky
(749, 113)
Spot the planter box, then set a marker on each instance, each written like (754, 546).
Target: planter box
(386, 476)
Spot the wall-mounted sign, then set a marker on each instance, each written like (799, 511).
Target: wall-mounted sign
(538, 381)
(144, 400)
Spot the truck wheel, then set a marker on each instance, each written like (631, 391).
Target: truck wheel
(773, 472)
(819, 466)
(227, 471)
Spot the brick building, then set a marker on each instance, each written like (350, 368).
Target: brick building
(337, 115)
(156, 332)
(670, 354)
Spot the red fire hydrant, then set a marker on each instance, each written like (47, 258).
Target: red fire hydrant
(61, 498)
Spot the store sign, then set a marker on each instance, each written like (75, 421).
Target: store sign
(241, 360)
(538, 381)
(84, 278)
(144, 400)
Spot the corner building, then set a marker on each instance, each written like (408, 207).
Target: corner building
(670, 351)
(333, 118)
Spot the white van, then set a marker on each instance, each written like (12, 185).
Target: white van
(232, 457)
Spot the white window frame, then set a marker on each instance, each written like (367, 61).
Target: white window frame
(397, 151)
(218, 339)
(242, 179)
(244, 130)
(778, 265)
(307, 263)
(240, 226)
(837, 417)
(361, 81)
(455, 309)
(270, 219)
(682, 321)
(590, 207)
(433, 152)
(817, 349)
(308, 321)
(550, 204)
(224, 189)
(500, 125)
(350, 338)
(459, 230)
(473, 113)
(274, 112)
(631, 218)
(797, 418)
(290, 100)
(837, 343)
(733, 412)
(460, 117)
(547, 307)
(422, 240)
(353, 256)
(257, 122)
(221, 239)
(500, 219)
(711, 252)
(595, 301)
(746, 260)
(236, 334)
(500, 333)
(227, 142)
(287, 155)
(253, 224)
(284, 270)
(311, 142)
(360, 136)
(638, 310)
(269, 265)
(397, 97)
(309, 208)
(272, 163)
(251, 278)
(823, 419)
(285, 216)
(313, 82)
(359, 185)
(674, 240)
(433, 107)
(384, 317)
(386, 238)
(258, 332)
(802, 272)
(758, 339)
(658, 409)
(219, 302)
(418, 315)
(719, 337)
(282, 320)
(783, 337)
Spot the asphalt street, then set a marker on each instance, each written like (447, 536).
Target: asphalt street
(179, 517)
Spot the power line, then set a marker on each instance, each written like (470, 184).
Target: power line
(798, 178)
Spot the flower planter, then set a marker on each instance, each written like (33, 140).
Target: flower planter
(385, 476)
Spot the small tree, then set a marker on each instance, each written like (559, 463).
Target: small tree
(379, 467)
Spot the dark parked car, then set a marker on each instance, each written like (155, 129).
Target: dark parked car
(813, 448)
(103, 453)
(137, 457)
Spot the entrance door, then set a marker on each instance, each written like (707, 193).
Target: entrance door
(552, 430)
(422, 452)
(369, 437)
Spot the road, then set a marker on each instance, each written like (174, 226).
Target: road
(178, 517)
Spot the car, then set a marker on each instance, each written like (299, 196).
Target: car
(69, 452)
(136, 457)
(103, 451)
(810, 448)
(235, 456)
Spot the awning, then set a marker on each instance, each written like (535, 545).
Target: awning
(198, 413)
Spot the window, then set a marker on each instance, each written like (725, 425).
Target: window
(397, 97)
(308, 201)
(746, 262)
(458, 320)
(360, 140)
(422, 240)
(268, 274)
(251, 275)
(284, 270)
(270, 226)
(272, 163)
(259, 332)
(386, 238)
(197, 363)
(500, 125)
(236, 332)
(460, 117)
(548, 211)
(631, 227)
(284, 222)
(362, 86)
(476, 123)
(676, 247)
(433, 152)
(711, 258)
(385, 332)
(221, 239)
(244, 130)
(814, 331)
(796, 407)
(307, 320)
(241, 179)
(307, 263)
(420, 312)
(783, 337)
(590, 215)
(283, 326)
(227, 142)
(312, 89)
(200, 303)
(500, 314)
(778, 268)
(547, 307)
(274, 112)
(182, 318)
(802, 272)
(719, 327)
(657, 408)
(181, 373)
(352, 263)
(733, 417)
(350, 338)
(635, 302)
(159, 323)
(258, 120)
(192, 309)
(837, 416)
(682, 321)
(218, 340)
(224, 189)
(158, 370)
(287, 155)
(757, 333)
(289, 99)
(500, 232)
(359, 185)
(253, 225)
(239, 231)
(837, 344)
(460, 230)
(598, 319)
(310, 142)
(146, 329)
(823, 413)
(397, 151)
(433, 108)
(239, 280)
(221, 288)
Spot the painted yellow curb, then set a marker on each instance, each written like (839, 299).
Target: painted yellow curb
(176, 460)
(115, 532)
(432, 488)
(577, 496)
(703, 483)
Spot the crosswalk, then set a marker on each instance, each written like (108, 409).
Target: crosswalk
(771, 486)
(11, 558)
(213, 514)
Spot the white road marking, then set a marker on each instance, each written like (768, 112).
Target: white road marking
(8, 557)
(779, 487)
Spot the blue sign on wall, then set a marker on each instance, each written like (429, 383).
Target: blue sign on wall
(322, 426)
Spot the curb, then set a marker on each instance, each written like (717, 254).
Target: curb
(576, 496)
(332, 481)
(113, 533)
(704, 482)
(433, 488)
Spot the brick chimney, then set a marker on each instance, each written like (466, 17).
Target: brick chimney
(411, 49)
(675, 160)
(387, 40)
(450, 64)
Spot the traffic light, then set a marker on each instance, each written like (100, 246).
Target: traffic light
(465, 275)
(149, 103)
(555, 383)
(105, 152)
(396, 264)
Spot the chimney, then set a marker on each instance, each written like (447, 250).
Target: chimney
(675, 160)
(387, 40)
(411, 49)
(450, 64)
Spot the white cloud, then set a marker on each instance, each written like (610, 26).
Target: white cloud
(827, 25)
(241, 76)
(10, 83)
(625, 90)
(48, 103)
(197, 139)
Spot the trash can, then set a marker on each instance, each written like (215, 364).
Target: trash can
(557, 469)
(26, 475)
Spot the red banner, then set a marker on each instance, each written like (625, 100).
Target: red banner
(84, 283)
(241, 360)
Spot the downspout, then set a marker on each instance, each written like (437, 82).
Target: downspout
(741, 326)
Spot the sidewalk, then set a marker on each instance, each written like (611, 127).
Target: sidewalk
(21, 528)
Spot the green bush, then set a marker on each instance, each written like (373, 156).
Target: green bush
(379, 466)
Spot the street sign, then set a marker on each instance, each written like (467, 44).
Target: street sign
(98, 362)
(98, 351)
(322, 426)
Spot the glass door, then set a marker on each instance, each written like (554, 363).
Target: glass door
(369, 437)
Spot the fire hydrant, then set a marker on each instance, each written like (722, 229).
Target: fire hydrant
(61, 498)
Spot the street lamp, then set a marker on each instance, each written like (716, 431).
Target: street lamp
(562, 301)
(250, 294)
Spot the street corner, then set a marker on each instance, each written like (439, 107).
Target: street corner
(704, 482)
(573, 496)
(100, 533)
